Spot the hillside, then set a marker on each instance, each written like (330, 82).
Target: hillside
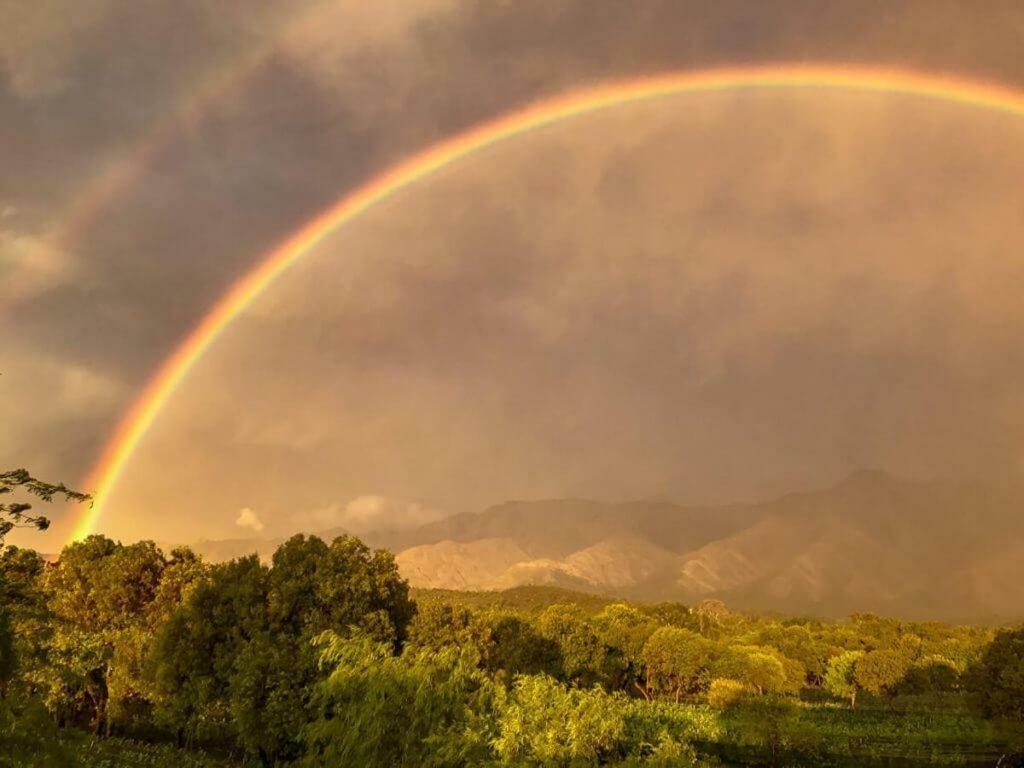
(870, 543)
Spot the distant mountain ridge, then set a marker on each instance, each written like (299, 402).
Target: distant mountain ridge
(870, 543)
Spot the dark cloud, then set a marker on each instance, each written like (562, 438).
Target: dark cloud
(473, 340)
(528, 294)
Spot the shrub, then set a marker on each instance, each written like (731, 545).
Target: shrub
(545, 722)
(724, 693)
(878, 672)
(998, 678)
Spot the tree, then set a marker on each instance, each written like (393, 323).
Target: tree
(13, 593)
(757, 668)
(195, 650)
(839, 677)
(545, 723)
(270, 695)
(27, 733)
(582, 652)
(314, 587)
(519, 648)
(437, 626)
(672, 615)
(798, 643)
(7, 657)
(879, 672)
(16, 514)
(724, 693)
(624, 630)
(100, 593)
(932, 674)
(379, 710)
(237, 655)
(674, 659)
(998, 678)
(183, 571)
(711, 614)
(23, 612)
(774, 724)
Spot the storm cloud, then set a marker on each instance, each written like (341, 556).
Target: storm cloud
(705, 298)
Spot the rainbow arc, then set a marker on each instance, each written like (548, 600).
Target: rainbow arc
(147, 406)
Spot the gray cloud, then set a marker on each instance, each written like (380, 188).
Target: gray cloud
(659, 321)
(532, 288)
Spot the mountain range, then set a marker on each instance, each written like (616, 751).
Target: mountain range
(872, 542)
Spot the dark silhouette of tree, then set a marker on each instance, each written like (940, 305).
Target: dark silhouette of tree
(16, 514)
(998, 677)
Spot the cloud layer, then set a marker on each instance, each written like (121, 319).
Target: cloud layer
(703, 299)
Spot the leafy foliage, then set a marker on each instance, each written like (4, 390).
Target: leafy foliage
(15, 514)
(321, 657)
(998, 678)
(840, 677)
(674, 659)
(417, 709)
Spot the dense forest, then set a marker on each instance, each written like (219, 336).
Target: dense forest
(124, 655)
(323, 657)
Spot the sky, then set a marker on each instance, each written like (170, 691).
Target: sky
(704, 298)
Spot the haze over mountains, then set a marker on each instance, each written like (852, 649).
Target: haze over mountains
(870, 543)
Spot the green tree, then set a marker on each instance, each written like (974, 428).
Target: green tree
(270, 694)
(724, 693)
(518, 648)
(582, 653)
(7, 656)
(774, 727)
(757, 668)
(710, 615)
(237, 655)
(840, 679)
(315, 586)
(879, 672)
(183, 571)
(196, 648)
(798, 643)
(545, 723)
(624, 630)
(672, 615)
(931, 674)
(379, 710)
(998, 678)
(100, 593)
(23, 612)
(674, 659)
(437, 626)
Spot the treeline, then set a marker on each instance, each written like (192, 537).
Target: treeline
(323, 658)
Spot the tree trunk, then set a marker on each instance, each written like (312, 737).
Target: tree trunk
(853, 700)
(106, 701)
(643, 690)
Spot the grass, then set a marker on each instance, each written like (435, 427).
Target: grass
(125, 753)
(834, 735)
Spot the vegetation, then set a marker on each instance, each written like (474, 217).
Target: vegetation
(15, 514)
(125, 655)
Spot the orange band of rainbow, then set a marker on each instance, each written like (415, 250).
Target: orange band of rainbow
(142, 413)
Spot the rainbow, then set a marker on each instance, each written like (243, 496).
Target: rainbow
(147, 406)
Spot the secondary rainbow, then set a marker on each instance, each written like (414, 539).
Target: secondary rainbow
(146, 407)
(117, 177)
